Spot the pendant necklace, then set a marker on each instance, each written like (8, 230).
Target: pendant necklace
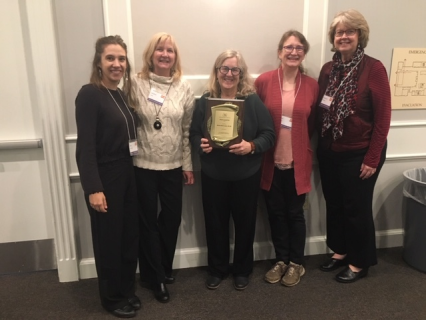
(157, 123)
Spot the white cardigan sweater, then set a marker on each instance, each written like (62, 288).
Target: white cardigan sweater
(169, 147)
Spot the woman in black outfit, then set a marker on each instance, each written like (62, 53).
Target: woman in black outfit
(230, 179)
(105, 143)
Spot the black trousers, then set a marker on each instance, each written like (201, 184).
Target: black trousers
(115, 234)
(349, 201)
(159, 231)
(221, 200)
(286, 217)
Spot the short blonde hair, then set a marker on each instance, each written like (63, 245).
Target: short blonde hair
(352, 19)
(245, 85)
(148, 65)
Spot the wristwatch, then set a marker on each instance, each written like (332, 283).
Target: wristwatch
(253, 147)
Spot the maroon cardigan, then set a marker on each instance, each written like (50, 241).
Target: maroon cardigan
(303, 125)
(369, 126)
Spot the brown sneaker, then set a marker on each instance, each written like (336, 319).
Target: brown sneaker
(293, 274)
(276, 272)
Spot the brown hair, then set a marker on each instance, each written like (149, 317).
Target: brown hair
(96, 75)
(301, 38)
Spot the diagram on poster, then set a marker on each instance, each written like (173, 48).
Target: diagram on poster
(408, 78)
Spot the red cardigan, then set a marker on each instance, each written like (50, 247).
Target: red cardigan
(368, 128)
(303, 125)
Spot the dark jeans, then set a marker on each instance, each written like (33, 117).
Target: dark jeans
(286, 217)
(115, 234)
(350, 224)
(221, 200)
(159, 231)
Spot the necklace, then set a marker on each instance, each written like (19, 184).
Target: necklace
(125, 118)
(281, 88)
(160, 100)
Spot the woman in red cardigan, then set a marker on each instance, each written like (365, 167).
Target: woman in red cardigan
(290, 97)
(353, 124)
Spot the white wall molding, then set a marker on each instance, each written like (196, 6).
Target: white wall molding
(47, 90)
(75, 176)
(71, 138)
(403, 157)
(118, 21)
(315, 26)
(407, 124)
(197, 257)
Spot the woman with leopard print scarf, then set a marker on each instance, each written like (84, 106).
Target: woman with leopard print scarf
(353, 123)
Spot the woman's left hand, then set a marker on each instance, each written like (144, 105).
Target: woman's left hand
(188, 176)
(241, 148)
(366, 171)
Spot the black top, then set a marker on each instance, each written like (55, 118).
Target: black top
(223, 165)
(102, 134)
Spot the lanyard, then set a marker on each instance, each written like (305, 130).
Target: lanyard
(281, 88)
(127, 124)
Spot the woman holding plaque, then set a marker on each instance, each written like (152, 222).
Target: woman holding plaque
(165, 108)
(290, 97)
(230, 175)
(106, 142)
(353, 124)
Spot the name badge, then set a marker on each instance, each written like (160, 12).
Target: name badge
(133, 147)
(286, 122)
(156, 97)
(326, 102)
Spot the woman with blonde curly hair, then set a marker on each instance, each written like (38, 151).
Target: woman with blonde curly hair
(230, 178)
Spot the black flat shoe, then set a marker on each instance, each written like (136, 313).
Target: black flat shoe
(213, 282)
(240, 283)
(349, 276)
(161, 293)
(169, 279)
(333, 264)
(135, 302)
(124, 312)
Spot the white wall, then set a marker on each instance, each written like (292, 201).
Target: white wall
(26, 212)
(34, 189)
(50, 59)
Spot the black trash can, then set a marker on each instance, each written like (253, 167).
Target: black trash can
(414, 251)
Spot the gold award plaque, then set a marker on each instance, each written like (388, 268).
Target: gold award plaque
(224, 122)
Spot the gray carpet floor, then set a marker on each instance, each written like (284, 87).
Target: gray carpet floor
(392, 290)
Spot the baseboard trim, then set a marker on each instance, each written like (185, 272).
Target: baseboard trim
(197, 257)
(27, 256)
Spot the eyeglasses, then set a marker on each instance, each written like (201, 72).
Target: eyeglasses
(349, 33)
(224, 70)
(299, 49)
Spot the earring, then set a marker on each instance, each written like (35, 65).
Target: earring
(100, 72)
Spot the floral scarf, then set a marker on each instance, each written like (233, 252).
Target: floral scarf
(344, 93)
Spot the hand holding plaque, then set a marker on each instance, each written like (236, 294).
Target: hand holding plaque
(224, 122)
